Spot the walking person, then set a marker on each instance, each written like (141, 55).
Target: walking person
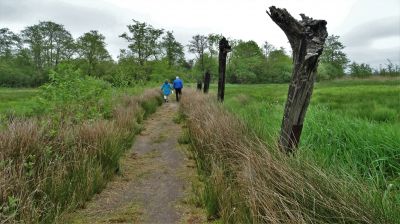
(166, 88)
(178, 85)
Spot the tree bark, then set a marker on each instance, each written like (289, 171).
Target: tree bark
(207, 79)
(307, 38)
(224, 48)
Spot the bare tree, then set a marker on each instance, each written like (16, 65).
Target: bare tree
(268, 48)
(307, 38)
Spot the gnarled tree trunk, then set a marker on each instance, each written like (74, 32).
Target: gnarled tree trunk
(307, 38)
(224, 48)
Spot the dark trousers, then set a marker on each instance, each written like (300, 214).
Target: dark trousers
(178, 93)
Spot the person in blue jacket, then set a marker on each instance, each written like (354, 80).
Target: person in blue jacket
(166, 89)
(178, 85)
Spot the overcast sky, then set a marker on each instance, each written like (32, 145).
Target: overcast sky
(370, 29)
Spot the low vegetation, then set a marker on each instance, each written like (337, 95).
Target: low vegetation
(56, 159)
(16, 102)
(346, 170)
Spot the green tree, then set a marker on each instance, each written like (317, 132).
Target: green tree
(33, 37)
(129, 70)
(173, 49)
(58, 43)
(278, 67)
(198, 46)
(210, 64)
(10, 43)
(327, 71)
(334, 56)
(92, 49)
(49, 43)
(144, 41)
(360, 70)
(29, 56)
(389, 69)
(213, 44)
(16, 69)
(245, 64)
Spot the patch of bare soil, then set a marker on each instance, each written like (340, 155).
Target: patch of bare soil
(155, 181)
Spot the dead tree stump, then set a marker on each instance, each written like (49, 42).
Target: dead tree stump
(207, 79)
(224, 48)
(307, 38)
(199, 85)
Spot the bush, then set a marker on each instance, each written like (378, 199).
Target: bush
(12, 75)
(360, 70)
(278, 68)
(328, 71)
(69, 94)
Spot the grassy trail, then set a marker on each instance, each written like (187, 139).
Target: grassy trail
(154, 181)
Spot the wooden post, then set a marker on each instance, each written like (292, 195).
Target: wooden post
(224, 48)
(307, 38)
(199, 85)
(207, 79)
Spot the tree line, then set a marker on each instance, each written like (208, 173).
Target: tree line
(26, 58)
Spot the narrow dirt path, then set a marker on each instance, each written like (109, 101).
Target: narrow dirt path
(154, 181)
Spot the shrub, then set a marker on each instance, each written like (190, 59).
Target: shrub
(69, 94)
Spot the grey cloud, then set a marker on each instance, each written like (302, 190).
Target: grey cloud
(374, 57)
(360, 39)
(363, 35)
(79, 18)
(76, 18)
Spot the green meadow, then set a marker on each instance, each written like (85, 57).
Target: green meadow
(17, 101)
(23, 102)
(352, 127)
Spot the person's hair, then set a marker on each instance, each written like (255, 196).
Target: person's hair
(166, 81)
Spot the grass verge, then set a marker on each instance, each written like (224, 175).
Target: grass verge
(249, 182)
(48, 168)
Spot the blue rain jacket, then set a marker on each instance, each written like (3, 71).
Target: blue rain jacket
(166, 88)
(178, 84)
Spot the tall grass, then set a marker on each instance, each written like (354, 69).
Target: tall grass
(247, 181)
(352, 129)
(343, 129)
(48, 168)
